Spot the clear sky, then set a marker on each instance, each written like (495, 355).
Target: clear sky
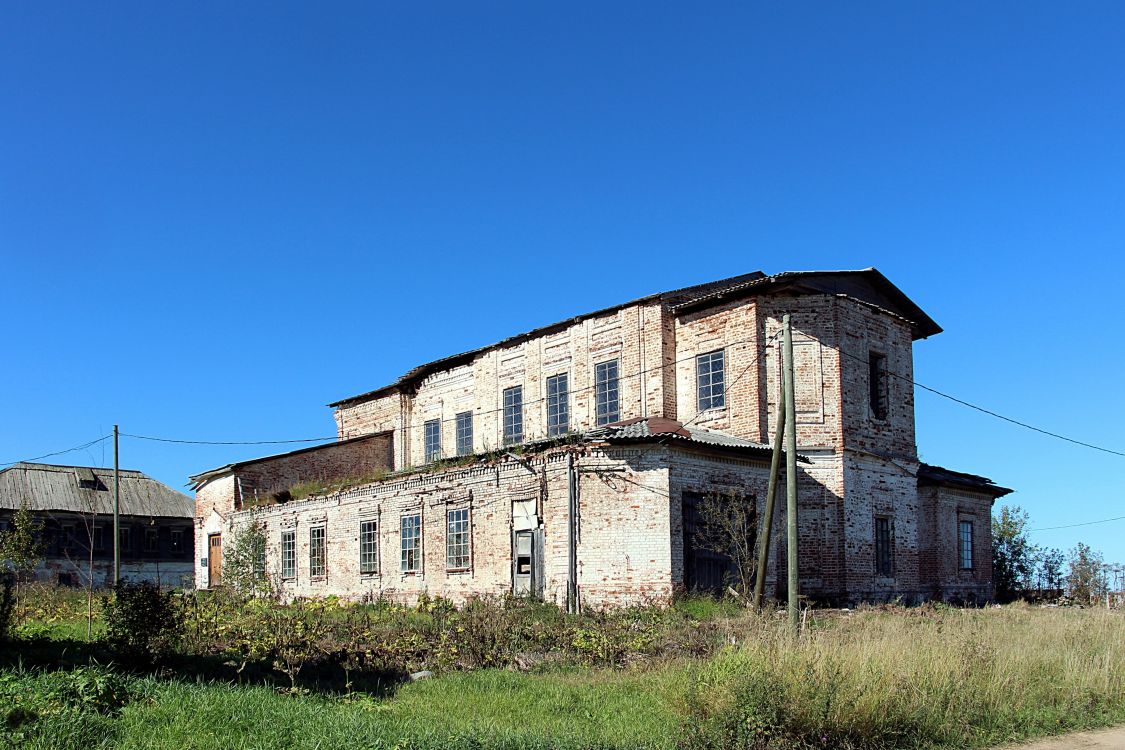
(215, 218)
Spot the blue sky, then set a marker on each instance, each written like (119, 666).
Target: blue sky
(214, 220)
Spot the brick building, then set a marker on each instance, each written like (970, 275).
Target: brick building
(569, 461)
(73, 507)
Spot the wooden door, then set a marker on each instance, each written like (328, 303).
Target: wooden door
(214, 559)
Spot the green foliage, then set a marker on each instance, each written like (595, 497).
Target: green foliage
(728, 525)
(1013, 555)
(318, 487)
(21, 546)
(143, 623)
(61, 709)
(1051, 563)
(7, 607)
(244, 563)
(1085, 580)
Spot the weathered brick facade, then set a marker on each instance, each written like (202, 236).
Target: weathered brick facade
(867, 529)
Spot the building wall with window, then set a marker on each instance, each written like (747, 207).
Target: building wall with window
(631, 338)
(943, 569)
(709, 357)
(622, 546)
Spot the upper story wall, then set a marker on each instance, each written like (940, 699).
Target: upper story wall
(657, 353)
(634, 337)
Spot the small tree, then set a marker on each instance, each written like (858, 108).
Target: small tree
(1013, 556)
(1051, 568)
(728, 525)
(143, 624)
(244, 566)
(21, 546)
(1085, 581)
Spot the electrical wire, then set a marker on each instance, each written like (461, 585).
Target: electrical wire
(228, 442)
(1075, 525)
(989, 411)
(58, 453)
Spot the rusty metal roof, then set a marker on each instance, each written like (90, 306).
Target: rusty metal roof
(87, 489)
(937, 475)
(657, 429)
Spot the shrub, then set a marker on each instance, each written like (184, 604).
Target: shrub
(142, 622)
(7, 607)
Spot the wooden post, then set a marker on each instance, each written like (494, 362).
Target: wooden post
(116, 510)
(791, 472)
(771, 495)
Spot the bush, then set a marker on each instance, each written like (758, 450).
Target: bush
(7, 607)
(142, 622)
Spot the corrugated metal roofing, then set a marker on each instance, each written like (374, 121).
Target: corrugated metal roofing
(931, 475)
(673, 297)
(659, 428)
(84, 489)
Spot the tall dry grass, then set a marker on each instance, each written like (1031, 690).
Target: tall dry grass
(931, 676)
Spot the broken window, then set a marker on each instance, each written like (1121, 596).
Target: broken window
(98, 541)
(457, 546)
(289, 554)
(965, 538)
(464, 433)
(432, 440)
(513, 415)
(411, 540)
(558, 407)
(710, 379)
(877, 380)
(318, 563)
(884, 565)
(369, 547)
(125, 539)
(605, 392)
(176, 541)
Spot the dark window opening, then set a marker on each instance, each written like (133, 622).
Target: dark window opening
(884, 564)
(606, 403)
(433, 440)
(464, 433)
(877, 379)
(513, 415)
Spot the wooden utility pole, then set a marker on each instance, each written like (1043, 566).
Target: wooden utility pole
(116, 510)
(791, 470)
(771, 495)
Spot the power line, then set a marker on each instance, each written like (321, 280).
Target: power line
(228, 442)
(1073, 525)
(569, 392)
(59, 453)
(989, 411)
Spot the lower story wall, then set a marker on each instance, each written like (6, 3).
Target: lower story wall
(946, 571)
(466, 521)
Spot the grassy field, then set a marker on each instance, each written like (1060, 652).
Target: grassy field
(930, 677)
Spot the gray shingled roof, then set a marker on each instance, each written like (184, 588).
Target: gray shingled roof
(82, 489)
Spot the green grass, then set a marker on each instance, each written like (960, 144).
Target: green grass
(928, 677)
(484, 709)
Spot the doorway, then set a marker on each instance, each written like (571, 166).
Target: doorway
(214, 560)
